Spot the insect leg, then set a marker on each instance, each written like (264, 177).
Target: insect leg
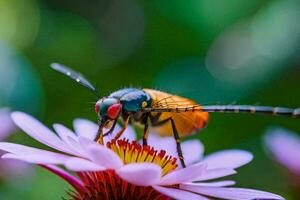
(178, 145)
(176, 137)
(146, 130)
(99, 136)
(149, 119)
(111, 129)
(118, 135)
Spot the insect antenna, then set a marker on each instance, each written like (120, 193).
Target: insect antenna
(76, 76)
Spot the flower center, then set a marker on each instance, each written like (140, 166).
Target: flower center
(132, 152)
(107, 185)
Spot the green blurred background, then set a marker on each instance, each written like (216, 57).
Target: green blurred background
(213, 51)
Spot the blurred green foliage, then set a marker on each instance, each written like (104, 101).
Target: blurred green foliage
(210, 51)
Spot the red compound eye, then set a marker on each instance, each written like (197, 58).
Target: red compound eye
(114, 110)
(97, 107)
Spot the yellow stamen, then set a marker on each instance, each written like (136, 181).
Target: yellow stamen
(135, 153)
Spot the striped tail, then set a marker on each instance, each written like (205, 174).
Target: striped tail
(282, 111)
(290, 112)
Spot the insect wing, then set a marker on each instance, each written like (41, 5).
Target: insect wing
(186, 122)
(79, 78)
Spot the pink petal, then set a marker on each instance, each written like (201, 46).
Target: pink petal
(142, 174)
(39, 159)
(80, 164)
(85, 142)
(128, 134)
(38, 131)
(179, 194)
(231, 193)
(83, 145)
(76, 147)
(85, 128)
(104, 157)
(72, 180)
(14, 169)
(230, 159)
(70, 139)
(285, 146)
(212, 184)
(64, 132)
(192, 149)
(163, 143)
(215, 173)
(190, 173)
(32, 155)
(21, 150)
(7, 126)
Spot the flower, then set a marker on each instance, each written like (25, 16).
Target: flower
(284, 145)
(124, 169)
(6, 124)
(10, 168)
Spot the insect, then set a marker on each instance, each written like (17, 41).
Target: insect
(169, 114)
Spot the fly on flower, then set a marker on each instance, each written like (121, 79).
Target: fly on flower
(171, 115)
